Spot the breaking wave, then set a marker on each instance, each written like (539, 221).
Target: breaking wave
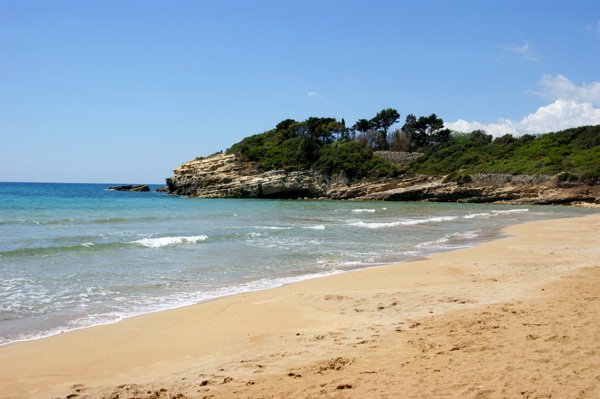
(406, 222)
(169, 241)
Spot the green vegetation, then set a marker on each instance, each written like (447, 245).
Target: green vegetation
(321, 143)
(355, 160)
(327, 145)
(575, 151)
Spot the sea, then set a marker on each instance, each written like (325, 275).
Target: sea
(78, 255)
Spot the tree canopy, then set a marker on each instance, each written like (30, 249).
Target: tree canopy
(322, 143)
(326, 144)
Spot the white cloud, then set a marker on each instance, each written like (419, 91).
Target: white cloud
(559, 87)
(503, 127)
(594, 27)
(572, 106)
(523, 51)
(312, 94)
(561, 114)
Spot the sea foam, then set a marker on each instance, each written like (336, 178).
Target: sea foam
(495, 213)
(167, 241)
(406, 222)
(360, 210)
(316, 227)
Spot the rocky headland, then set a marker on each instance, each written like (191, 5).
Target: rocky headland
(227, 176)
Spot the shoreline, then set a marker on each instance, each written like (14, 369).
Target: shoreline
(184, 305)
(162, 347)
(492, 234)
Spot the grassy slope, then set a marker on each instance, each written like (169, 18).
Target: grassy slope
(576, 151)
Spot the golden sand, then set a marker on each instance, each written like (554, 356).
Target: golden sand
(518, 317)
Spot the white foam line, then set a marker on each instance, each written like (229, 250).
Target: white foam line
(167, 241)
(316, 227)
(194, 298)
(272, 228)
(512, 211)
(409, 222)
(494, 213)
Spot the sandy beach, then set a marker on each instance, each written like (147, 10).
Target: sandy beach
(517, 317)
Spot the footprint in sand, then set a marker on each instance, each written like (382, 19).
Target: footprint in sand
(335, 297)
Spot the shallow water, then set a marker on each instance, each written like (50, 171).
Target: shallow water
(77, 255)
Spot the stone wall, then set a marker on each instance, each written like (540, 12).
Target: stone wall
(398, 156)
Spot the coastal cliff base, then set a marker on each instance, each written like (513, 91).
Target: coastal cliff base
(226, 176)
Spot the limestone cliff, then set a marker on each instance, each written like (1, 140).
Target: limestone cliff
(226, 176)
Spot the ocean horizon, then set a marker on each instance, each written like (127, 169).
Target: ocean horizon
(76, 255)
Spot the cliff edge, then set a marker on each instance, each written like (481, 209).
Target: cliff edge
(227, 176)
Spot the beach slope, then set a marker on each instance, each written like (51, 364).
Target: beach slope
(516, 317)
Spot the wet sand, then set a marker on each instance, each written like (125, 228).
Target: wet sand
(517, 317)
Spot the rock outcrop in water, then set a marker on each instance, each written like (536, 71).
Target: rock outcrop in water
(226, 176)
(140, 187)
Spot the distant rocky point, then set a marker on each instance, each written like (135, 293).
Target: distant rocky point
(140, 187)
(322, 158)
(227, 176)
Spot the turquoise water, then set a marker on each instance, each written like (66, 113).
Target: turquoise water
(77, 255)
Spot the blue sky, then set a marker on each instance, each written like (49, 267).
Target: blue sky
(125, 91)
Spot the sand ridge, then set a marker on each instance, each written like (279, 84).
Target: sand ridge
(516, 317)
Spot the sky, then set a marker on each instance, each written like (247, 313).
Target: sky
(125, 91)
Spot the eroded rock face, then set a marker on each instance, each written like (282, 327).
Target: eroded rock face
(226, 176)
